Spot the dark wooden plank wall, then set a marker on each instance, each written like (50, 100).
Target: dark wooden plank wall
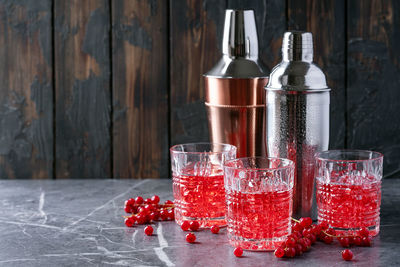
(26, 93)
(82, 86)
(140, 88)
(373, 84)
(102, 88)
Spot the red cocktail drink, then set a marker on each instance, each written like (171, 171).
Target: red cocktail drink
(349, 190)
(259, 195)
(198, 182)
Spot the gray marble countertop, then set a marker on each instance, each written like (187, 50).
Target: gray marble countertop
(79, 223)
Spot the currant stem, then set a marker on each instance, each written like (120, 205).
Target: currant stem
(295, 220)
(169, 206)
(142, 205)
(324, 230)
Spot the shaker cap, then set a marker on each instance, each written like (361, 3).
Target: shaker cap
(296, 71)
(239, 48)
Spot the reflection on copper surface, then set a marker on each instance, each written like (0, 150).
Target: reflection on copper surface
(236, 110)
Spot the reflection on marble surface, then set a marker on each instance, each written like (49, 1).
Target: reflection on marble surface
(79, 223)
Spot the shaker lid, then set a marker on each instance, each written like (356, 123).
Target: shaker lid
(296, 71)
(239, 48)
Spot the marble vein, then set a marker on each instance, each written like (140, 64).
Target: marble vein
(116, 243)
(31, 224)
(133, 236)
(16, 260)
(23, 228)
(127, 263)
(163, 244)
(105, 204)
(40, 209)
(84, 254)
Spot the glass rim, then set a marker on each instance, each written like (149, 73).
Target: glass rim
(173, 148)
(375, 155)
(290, 164)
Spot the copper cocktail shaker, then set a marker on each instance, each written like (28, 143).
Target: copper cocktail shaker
(234, 88)
(297, 115)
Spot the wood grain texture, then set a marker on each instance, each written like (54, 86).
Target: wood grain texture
(326, 20)
(82, 66)
(271, 24)
(26, 108)
(140, 88)
(374, 80)
(196, 36)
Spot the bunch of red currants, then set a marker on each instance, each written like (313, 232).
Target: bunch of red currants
(148, 210)
(305, 233)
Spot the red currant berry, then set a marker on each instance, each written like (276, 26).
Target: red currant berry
(148, 207)
(351, 240)
(148, 230)
(214, 229)
(185, 226)
(147, 201)
(290, 242)
(327, 239)
(194, 226)
(279, 252)
(153, 216)
(190, 238)
(297, 234)
(306, 231)
(141, 218)
(299, 249)
(330, 231)
(139, 200)
(171, 214)
(315, 229)
(312, 238)
(347, 255)
(155, 199)
(304, 246)
(307, 241)
(164, 215)
(128, 209)
(293, 235)
(305, 222)
(130, 221)
(134, 209)
(366, 241)
(297, 227)
(168, 202)
(129, 204)
(344, 242)
(323, 225)
(290, 252)
(363, 232)
(238, 252)
(357, 241)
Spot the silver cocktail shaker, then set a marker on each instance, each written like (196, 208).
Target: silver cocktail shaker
(297, 115)
(234, 88)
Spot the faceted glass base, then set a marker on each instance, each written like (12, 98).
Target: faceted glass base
(204, 222)
(268, 244)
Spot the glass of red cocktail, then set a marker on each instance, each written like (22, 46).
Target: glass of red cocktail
(349, 189)
(259, 195)
(198, 182)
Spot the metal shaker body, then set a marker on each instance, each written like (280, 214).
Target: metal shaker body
(234, 88)
(297, 116)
